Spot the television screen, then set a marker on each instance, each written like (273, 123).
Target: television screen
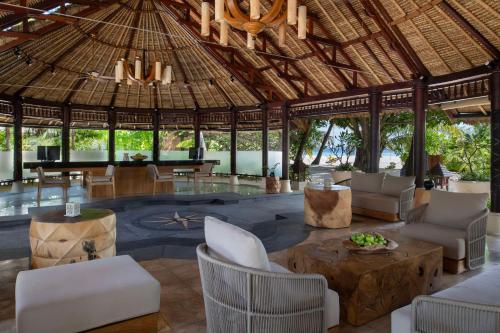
(196, 153)
(48, 153)
(53, 153)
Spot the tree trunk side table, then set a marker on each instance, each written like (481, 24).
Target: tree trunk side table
(56, 239)
(327, 207)
(272, 185)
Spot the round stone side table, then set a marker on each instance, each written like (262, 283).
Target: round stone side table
(328, 207)
(56, 239)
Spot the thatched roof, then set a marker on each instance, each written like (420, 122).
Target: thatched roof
(383, 41)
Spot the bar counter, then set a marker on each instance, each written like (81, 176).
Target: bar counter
(131, 178)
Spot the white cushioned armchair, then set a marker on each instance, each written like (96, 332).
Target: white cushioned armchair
(244, 292)
(457, 221)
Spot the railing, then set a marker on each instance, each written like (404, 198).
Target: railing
(477, 87)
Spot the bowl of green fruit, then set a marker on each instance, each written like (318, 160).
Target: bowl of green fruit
(369, 242)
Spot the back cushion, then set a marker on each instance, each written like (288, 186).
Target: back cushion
(453, 209)
(367, 182)
(235, 244)
(394, 185)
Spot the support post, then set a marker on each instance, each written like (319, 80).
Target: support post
(111, 135)
(285, 147)
(234, 133)
(265, 140)
(197, 129)
(156, 136)
(17, 186)
(420, 100)
(375, 107)
(65, 137)
(495, 138)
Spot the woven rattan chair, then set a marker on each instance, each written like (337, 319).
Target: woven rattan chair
(107, 180)
(45, 182)
(440, 315)
(454, 219)
(240, 299)
(158, 177)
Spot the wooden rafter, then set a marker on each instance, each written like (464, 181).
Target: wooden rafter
(70, 49)
(135, 24)
(470, 29)
(394, 36)
(230, 58)
(164, 29)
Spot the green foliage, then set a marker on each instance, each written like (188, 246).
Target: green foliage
(133, 140)
(6, 138)
(343, 146)
(34, 136)
(89, 139)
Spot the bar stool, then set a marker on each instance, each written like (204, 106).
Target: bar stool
(107, 180)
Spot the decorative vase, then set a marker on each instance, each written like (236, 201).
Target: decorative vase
(429, 184)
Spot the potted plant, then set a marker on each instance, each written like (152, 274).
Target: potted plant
(429, 182)
(272, 181)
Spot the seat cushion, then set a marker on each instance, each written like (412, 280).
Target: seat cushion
(452, 239)
(367, 182)
(332, 308)
(235, 244)
(454, 209)
(375, 201)
(55, 181)
(395, 185)
(483, 288)
(84, 295)
(101, 179)
(165, 176)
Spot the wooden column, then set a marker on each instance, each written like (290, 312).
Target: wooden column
(375, 107)
(285, 142)
(156, 136)
(197, 129)
(265, 140)
(420, 99)
(18, 140)
(234, 134)
(495, 138)
(66, 118)
(111, 138)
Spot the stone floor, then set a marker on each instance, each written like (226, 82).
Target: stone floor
(182, 307)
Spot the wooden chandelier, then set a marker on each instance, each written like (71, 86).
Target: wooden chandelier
(228, 13)
(139, 74)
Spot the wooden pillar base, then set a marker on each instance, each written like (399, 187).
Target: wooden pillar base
(233, 180)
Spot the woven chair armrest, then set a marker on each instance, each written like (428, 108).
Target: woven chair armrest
(407, 194)
(416, 215)
(477, 227)
(431, 314)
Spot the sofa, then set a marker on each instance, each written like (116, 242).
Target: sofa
(457, 221)
(245, 292)
(382, 196)
(470, 306)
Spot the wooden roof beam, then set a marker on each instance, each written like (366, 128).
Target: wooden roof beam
(175, 10)
(469, 28)
(394, 37)
(70, 49)
(20, 35)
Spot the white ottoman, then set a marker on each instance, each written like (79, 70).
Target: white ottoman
(84, 295)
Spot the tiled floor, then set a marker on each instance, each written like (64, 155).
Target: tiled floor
(182, 307)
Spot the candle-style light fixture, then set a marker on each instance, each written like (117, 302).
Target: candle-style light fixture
(139, 73)
(228, 13)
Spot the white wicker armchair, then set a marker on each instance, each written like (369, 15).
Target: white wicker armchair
(440, 315)
(452, 219)
(240, 299)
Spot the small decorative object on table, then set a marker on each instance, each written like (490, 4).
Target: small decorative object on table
(138, 157)
(72, 209)
(369, 243)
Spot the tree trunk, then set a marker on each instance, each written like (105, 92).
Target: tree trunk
(317, 160)
(297, 162)
(73, 139)
(362, 128)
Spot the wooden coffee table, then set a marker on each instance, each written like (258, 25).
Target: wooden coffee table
(372, 285)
